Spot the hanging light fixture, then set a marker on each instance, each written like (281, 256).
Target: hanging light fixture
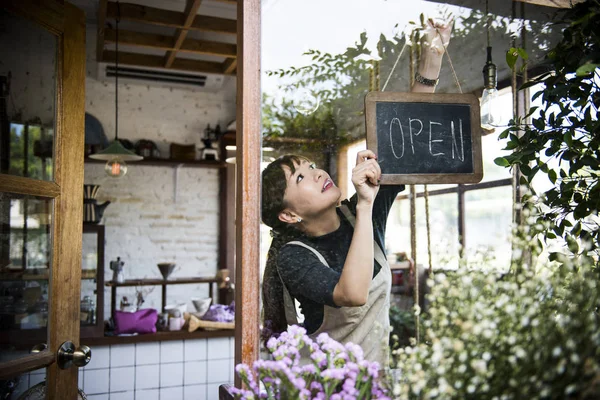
(115, 154)
(490, 110)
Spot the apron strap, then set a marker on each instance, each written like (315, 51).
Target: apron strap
(291, 314)
(289, 305)
(378, 253)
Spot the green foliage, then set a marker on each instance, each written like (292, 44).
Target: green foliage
(403, 327)
(516, 336)
(562, 141)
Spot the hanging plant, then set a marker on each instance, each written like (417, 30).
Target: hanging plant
(562, 141)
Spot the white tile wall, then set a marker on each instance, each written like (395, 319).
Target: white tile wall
(219, 349)
(218, 371)
(195, 350)
(197, 392)
(147, 376)
(100, 358)
(98, 396)
(122, 379)
(194, 372)
(171, 352)
(152, 394)
(171, 374)
(122, 396)
(147, 353)
(196, 378)
(122, 355)
(96, 381)
(173, 393)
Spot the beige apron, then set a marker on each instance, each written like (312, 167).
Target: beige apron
(367, 325)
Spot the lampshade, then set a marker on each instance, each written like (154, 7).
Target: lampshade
(116, 150)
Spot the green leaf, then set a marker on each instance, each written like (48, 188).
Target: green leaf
(576, 229)
(502, 162)
(512, 56)
(552, 176)
(523, 53)
(586, 69)
(572, 244)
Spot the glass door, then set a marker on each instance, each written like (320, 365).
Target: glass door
(42, 80)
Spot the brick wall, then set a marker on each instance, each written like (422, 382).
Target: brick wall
(158, 213)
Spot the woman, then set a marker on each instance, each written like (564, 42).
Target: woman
(331, 259)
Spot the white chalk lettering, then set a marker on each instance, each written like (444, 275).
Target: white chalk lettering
(461, 156)
(410, 121)
(431, 140)
(396, 120)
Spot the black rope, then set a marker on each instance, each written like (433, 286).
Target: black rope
(487, 16)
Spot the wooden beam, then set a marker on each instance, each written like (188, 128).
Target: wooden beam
(191, 9)
(232, 2)
(150, 61)
(553, 3)
(173, 19)
(248, 138)
(162, 42)
(229, 66)
(100, 33)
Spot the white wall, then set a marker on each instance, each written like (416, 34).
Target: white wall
(158, 213)
(179, 370)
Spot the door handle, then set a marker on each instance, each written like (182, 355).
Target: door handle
(69, 355)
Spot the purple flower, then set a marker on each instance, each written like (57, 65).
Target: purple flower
(333, 373)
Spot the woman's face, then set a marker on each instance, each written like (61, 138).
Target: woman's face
(310, 190)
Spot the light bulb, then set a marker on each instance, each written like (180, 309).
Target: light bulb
(490, 117)
(115, 167)
(489, 108)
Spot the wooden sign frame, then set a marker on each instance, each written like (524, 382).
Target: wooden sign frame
(373, 98)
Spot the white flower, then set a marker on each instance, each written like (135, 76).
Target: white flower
(520, 353)
(471, 389)
(575, 358)
(486, 356)
(556, 351)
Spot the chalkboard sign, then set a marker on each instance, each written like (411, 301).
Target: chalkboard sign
(425, 137)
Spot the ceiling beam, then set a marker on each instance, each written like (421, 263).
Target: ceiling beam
(229, 66)
(173, 19)
(100, 33)
(162, 42)
(553, 3)
(191, 9)
(149, 61)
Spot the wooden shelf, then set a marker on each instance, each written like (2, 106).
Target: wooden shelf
(157, 282)
(156, 337)
(39, 274)
(170, 163)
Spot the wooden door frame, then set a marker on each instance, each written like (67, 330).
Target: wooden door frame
(248, 142)
(66, 190)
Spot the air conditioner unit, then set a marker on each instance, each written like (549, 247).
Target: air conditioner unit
(161, 77)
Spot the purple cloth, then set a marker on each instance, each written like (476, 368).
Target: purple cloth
(142, 321)
(220, 313)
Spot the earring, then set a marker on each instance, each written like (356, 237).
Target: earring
(299, 220)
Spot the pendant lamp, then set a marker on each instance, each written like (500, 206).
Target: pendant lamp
(490, 110)
(115, 154)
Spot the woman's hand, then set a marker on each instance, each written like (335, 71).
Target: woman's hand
(366, 176)
(436, 35)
